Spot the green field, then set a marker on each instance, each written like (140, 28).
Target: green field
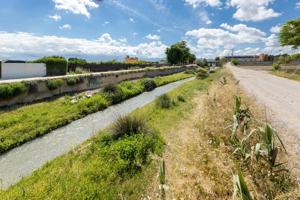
(103, 168)
(23, 124)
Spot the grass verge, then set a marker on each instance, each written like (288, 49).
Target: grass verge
(289, 75)
(28, 122)
(102, 168)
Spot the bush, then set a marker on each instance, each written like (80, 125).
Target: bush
(54, 84)
(201, 73)
(149, 84)
(71, 81)
(110, 88)
(11, 90)
(164, 101)
(235, 62)
(189, 71)
(128, 125)
(93, 104)
(56, 66)
(276, 67)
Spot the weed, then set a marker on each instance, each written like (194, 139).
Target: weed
(11, 90)
(128, 125)
(240, 187)
(164, 101)
(149, 84)
(54, 84)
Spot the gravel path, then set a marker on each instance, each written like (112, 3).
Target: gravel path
(281, 98)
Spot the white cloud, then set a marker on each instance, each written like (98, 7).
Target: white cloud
(205, 18)
(245, 40)
(131, 20)
(80, 7)
(158, 4)
(298, 5)
(153, 37)
(65, 27)
(275, 29)
(105, 23)
(105, 45)
(196, 3)
(124, 40)
(253, 10)
(55, 17)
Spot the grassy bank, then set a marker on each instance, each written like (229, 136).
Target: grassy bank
(102, 168)
(28, 122)
(221, 140)
(289, 75)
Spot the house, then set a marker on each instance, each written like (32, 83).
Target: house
(212, 62)
(129, 59)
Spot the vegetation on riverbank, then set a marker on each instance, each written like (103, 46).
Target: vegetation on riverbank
(106, 168)
(224, 139)
(28, 122)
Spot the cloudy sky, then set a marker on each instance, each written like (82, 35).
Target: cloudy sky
(108, 29)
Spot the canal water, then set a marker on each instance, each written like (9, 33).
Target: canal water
(23, 160)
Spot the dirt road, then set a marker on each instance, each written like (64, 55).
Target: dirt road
(281, 98)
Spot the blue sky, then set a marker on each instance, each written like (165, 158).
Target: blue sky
(111, 29)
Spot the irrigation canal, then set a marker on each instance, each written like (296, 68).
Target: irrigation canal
(22, 161)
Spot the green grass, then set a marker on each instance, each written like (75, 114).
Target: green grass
(102, 168)
(289, 75)
(28, 122)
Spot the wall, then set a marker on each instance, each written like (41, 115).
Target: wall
(93, 67)
(22, 70)
(39, 90)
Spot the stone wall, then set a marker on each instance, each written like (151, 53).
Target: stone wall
(38, 86)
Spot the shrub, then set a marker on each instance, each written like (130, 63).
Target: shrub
(110, 88)
(55, 65)
(71, 81)
(80, 70)
(235, 62)
(189, 71)
(276, 67)
(11, 90)
(128, 125)
(164, 101)
(93, 104)
(54, 84)
(201, 73)
(149, 84)
(32, 86)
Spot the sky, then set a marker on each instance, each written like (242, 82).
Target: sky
(112, 29)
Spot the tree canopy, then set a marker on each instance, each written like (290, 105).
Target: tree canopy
(179, 53)
(290, 34)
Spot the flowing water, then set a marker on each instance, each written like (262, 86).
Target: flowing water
(23, 160)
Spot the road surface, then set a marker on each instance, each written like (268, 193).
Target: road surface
(281, 98)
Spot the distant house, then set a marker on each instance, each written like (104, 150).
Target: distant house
(129, 59)
(212, 62)
(243, 58)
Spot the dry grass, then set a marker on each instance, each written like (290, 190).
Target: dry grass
(199, 156)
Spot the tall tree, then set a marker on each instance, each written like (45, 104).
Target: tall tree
(290, 34)
(179, 53)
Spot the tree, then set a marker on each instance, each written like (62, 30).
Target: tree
(179, 53)
(290, 34)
